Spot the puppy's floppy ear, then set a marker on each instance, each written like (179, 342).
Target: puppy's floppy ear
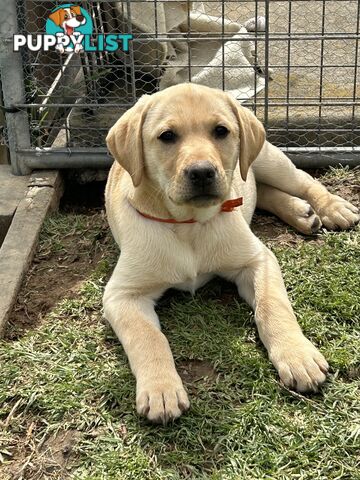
(124, 139)
(252, 136)
(76, 9)
(57, 17)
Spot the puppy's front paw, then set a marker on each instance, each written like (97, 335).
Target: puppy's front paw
(161, 399)
(337, 213)
(300, 365)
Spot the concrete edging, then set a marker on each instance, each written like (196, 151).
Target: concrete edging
(17, 251)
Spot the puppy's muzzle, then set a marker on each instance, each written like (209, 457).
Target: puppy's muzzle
(202, 178)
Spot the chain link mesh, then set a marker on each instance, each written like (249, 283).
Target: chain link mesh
(301, 72)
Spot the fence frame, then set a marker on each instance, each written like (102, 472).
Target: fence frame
(25, 158)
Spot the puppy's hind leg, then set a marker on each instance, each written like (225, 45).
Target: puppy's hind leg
(272, 167)
(292, 210)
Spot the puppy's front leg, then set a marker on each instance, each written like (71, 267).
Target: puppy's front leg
(160, 395)
(300, 365)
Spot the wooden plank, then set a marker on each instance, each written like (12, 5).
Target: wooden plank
(18, 248)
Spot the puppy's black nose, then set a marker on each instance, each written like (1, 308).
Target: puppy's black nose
(201, 174)
(80, 18)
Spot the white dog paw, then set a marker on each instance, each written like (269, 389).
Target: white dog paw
(337, 213)
(161, 400)
(303, 217)
(255, 24)
(300, 365)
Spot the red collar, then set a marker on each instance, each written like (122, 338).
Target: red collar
(227, 206)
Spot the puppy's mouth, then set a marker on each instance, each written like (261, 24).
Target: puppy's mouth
(204, 200)
(69, 30)
(199, 201)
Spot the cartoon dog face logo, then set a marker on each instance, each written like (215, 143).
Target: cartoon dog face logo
(68, 19)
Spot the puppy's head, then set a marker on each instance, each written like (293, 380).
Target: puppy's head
(71, 16)
(187, 141)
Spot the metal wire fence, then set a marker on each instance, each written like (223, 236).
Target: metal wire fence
(295, 63)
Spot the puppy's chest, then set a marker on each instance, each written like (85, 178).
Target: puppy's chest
(185, 264)
(206, 250)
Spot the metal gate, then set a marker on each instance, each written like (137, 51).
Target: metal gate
(295, 63)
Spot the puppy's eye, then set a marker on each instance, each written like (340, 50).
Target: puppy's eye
(220, 131)
(168, 137)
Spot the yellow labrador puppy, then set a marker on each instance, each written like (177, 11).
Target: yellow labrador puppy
(179, 200)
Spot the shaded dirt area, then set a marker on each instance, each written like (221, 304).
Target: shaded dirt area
(55, 275)
(192, 371)
(52, 457)
(58, 271)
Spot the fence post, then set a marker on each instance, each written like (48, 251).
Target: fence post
(13, 87)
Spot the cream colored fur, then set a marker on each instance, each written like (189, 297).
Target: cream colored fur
(156, 256)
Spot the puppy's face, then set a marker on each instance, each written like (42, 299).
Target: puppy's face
(191, 145)
(68, 18)
(187, 141)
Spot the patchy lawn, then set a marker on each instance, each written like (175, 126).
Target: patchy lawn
(67, 393)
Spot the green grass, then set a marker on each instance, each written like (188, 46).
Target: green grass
(69, 373)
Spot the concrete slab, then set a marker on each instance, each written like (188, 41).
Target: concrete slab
(20, 242)
(12, 190)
